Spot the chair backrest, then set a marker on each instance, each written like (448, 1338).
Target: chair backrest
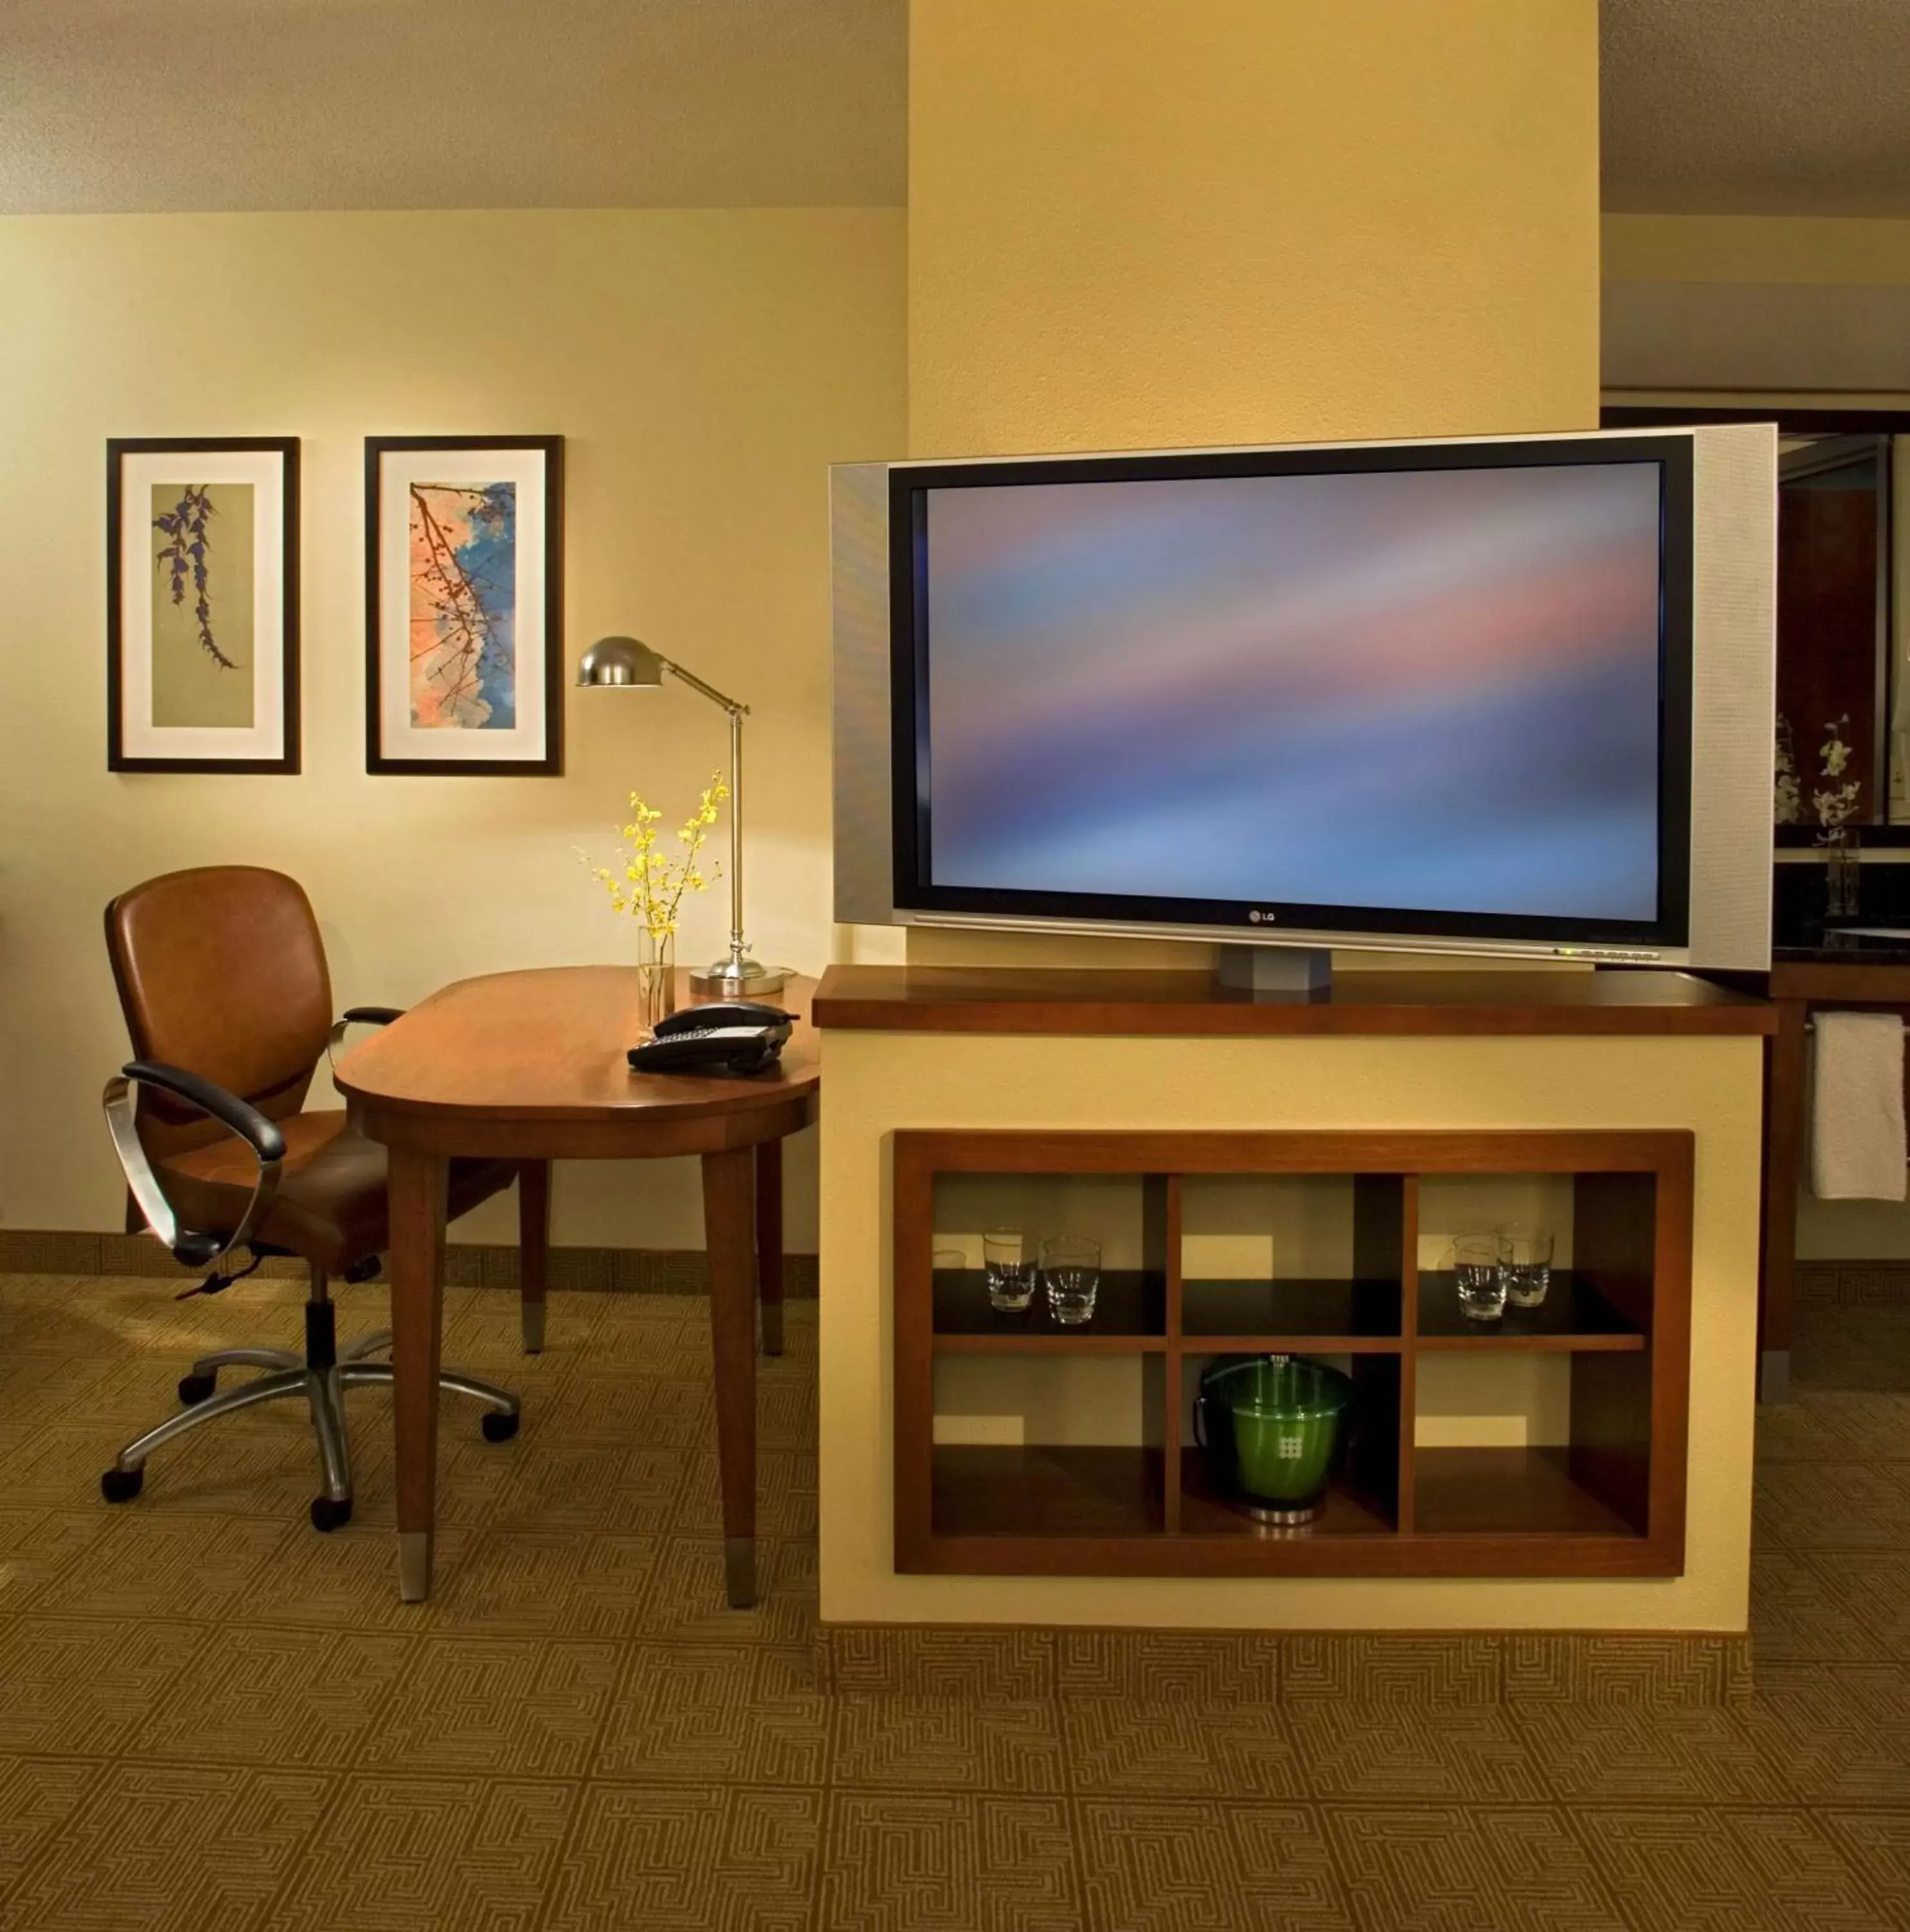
(221, 971)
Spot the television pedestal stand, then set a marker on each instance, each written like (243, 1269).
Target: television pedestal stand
(1274, 969)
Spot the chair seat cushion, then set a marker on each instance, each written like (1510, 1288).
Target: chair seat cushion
(330, 1206)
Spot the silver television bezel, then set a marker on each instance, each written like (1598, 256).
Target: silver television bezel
(1734, 617)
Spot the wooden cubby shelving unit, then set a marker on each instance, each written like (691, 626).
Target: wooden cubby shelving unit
(1609, 1502)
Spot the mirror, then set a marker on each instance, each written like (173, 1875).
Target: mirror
(1841, 746)
(1843, 614)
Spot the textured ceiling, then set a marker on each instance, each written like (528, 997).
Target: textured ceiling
(136, 105)
(1756, 107)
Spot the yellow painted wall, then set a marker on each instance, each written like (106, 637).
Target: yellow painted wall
(1132, 223)
(705, 366)
(1135, 223)
(879, 1083)
(1755, 248)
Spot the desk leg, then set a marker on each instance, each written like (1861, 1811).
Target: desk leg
(533, 1249)
(417, 1184)
(728, 1219)
(769, 1242)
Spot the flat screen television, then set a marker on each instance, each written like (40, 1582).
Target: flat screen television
(1505, 695)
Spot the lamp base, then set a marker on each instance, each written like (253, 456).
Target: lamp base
(742, 978)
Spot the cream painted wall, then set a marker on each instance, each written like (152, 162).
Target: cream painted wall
(879, 1083)
(705, 368)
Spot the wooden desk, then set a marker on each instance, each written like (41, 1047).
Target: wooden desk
(530, 1066)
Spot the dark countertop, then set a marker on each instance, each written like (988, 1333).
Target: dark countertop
(979, 999)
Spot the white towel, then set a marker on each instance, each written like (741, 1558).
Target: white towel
(1856, 1140)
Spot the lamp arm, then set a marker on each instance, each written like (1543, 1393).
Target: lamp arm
(738, 712)
(696, 683)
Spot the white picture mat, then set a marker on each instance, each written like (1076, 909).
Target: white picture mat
(140, 737)
(398, 470)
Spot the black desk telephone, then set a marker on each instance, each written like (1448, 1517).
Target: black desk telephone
(723, 1036)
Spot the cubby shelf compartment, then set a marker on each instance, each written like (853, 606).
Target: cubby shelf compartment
(1348, 1509)
(1520, 1492)
(1609, 1502)
(1322, 1317)
(1043, 1490)
(1573, 1315)
(1130, 1318)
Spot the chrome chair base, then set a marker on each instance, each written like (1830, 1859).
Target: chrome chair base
(288, 1376)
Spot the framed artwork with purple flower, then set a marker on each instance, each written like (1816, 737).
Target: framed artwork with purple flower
(464, 605)
(202, 604)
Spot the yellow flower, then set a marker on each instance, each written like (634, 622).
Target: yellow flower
(652, 885)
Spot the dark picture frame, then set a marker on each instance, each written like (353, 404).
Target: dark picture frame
(168, 650)
(444, 549)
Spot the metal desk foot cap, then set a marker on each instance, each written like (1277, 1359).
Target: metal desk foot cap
(533, 1313)
(414, 1564)
(739, 1570)
(772, 1330)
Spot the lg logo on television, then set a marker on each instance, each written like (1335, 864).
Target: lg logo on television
(1259, 919)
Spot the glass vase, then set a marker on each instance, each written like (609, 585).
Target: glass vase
(656, 980)
(1843, 878)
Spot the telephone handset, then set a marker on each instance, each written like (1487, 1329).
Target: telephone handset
(721, 1037)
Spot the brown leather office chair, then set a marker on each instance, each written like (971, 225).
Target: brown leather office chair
(222, 976)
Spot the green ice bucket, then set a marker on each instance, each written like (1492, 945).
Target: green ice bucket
(1272, 1428)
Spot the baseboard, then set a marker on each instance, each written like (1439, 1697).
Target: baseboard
(467, 1264)
(1842, 1284)
(1666, 1669)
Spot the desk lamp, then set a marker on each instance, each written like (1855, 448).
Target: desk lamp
(622, 664)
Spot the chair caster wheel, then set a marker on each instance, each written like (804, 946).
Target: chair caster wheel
(121, 1486)
(498, 1427)
(328, 1515)
(195, 1388)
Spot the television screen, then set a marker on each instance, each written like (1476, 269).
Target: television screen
(1433, 690)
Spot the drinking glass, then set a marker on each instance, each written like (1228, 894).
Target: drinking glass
(1525, 1262)
(949, 1261)
(1476, 1266)
(1010, 1270)
(1071, 1265)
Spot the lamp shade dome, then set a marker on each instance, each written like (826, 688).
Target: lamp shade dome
(612, 662)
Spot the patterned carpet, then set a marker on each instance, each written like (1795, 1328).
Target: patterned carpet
(213, 1720)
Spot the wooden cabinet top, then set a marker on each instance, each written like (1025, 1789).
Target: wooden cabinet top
(979, 999)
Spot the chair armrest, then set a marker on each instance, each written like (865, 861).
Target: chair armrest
(263, 1136)
(357, 1016)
